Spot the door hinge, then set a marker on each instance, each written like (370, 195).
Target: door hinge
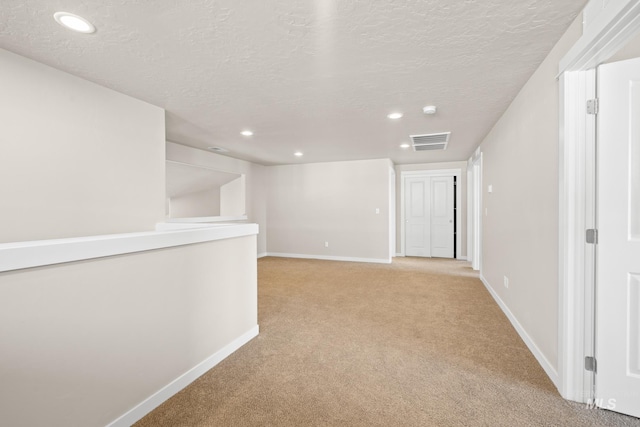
(593, 106)
(592, 236)
(590, 364)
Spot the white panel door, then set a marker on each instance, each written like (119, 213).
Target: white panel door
(618, 249)
(417, 217)
(442, 234)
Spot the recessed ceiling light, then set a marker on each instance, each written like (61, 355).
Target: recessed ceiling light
(430, 109)
(405, 145)
(74, 22)
(246, 133)
(394, 116)
(298, 154)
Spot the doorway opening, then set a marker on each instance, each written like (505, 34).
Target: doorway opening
(474, 210)
(611, 26)
(430, 216)
(455, 222)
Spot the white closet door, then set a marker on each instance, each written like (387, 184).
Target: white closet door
(417, 217)
(442, 216)
(618, 249)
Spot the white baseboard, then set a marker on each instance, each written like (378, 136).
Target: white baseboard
(331, 258)
(462, 258)
(399, 254)
(182, 381)
(262, 255)
(537, 353)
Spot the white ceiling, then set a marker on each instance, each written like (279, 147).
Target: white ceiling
(318, 76)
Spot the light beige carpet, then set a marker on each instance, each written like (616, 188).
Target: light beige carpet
(416, 343)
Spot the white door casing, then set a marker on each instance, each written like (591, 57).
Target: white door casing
(429, 173)
(616, 24)
(469, 211)
(618, 249)
(442, 216)
(477, 214)
(417, 217)
(474, 208)
(392, 213)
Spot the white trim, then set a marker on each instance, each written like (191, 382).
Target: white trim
(474, 232)
(470, 210)
(432, 172)
(537, 353)
(399, 254)
(462, 258)
(159, 397)
(262, 255)
(19, 255)
(574, 317)
(616, 24)
(393, 223)
(331, 258)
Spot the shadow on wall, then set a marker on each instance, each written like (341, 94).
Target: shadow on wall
(196, 191)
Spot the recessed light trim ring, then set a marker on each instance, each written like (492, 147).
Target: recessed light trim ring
(74, 22)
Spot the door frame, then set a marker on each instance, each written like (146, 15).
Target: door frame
(392, 213)
(474, 211)
(428, 174)
(609, 30)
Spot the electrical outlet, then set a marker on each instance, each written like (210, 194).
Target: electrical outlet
(326, 244)
(378, 210)
(506, 282)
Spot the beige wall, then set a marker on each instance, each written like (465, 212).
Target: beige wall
(76, 159)
(84, 342)
(233, 198)
(202, 203)
(520, 229)
(332, 202)
(462, 188)
(255, 178)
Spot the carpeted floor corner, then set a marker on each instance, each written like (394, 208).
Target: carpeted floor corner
(419, 342)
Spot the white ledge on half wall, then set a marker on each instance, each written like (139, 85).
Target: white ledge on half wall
(207, 219)
(36, 253)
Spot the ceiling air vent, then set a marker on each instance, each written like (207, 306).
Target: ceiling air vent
(218, 149)
(434, 141)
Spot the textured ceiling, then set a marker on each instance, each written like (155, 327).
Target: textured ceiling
(316, 76)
